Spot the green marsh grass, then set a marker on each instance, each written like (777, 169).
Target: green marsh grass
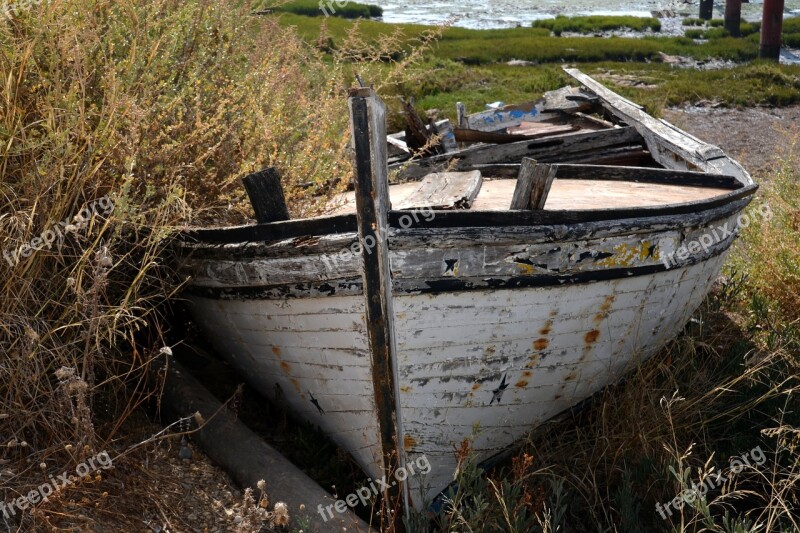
(597, 23)
(311, 8)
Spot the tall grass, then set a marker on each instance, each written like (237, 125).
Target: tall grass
(157, 106)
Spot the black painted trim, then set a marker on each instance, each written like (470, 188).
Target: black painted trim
(452, 219)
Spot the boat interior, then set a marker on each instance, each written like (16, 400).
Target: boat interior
(575, 151)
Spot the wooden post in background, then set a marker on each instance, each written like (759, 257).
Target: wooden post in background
(706, 9)
(771, 27)
(733, 17)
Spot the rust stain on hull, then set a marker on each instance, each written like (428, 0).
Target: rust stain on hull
(541, 344)
(409, 442)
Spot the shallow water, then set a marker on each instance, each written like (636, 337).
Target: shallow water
(510, 13)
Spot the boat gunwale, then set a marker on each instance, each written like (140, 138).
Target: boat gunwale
(339, 224)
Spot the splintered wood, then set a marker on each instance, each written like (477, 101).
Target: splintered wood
(444, 190)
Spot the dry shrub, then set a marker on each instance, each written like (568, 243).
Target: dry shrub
(139, 115)
(771, 246)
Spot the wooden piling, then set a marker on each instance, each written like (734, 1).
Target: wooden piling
(368, 130)
(706, 9)
(733, 17)
(771, 27)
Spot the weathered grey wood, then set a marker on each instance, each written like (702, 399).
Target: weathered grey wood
(245, 456)
(266, 195)
(533, 185)
(595, 120)
(568, 100)
(368, 131)
(503, 118)
(522, 192)
(555, 149)
(542, 180)
(461, 115)
(476, 136)
(645, 175)
(394, 141)
(665, 141)
(447, 136)
(444, 190)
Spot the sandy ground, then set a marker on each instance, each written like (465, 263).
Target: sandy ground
(759, 138)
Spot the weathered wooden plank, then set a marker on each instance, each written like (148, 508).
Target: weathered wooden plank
(521, 199)
(531, 128)
(443, 128)
(368, 130)
(477, 136)
(543, 175)
(444, 190)
(646, 175)
(560, 148)
(568, 100)
(665, 141)
(498, 221)
(266, 195)
(502, 118)
(246, 456)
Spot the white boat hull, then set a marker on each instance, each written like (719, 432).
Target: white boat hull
(551, 346)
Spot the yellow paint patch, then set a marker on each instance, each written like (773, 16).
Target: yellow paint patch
(626, 255)
(525, 268)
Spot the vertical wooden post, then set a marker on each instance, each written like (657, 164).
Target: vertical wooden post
(706, 9)
(368, 130)
(733, 17)
(771, 28)
(461, 115)
(266, 195)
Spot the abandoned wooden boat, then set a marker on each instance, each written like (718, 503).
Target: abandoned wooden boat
(511, 284)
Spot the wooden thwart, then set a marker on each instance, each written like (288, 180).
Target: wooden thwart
(444, 190)
(533, 185)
